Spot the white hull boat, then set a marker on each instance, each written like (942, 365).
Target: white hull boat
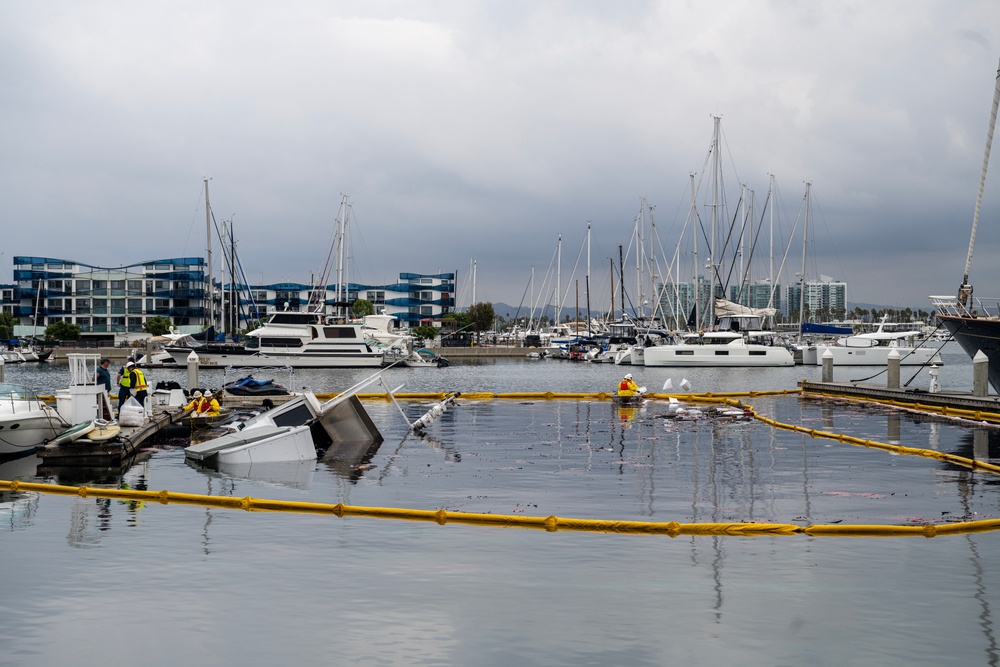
(264, 443)
(872, 349)
(298, 340)
(25, 421)
(737, 353)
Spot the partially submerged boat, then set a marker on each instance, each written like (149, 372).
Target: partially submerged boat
(294, 431)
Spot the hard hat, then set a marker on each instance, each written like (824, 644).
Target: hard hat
(208, 394)
(197, 394)
(628, 376)
(130, 364)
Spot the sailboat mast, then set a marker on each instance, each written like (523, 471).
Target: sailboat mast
(802, 281)
(694, 237)
(716, 170)
(965, 291)
(208, 257)
(587, 286)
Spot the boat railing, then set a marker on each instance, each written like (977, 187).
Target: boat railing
(980, 307)
(11, 393)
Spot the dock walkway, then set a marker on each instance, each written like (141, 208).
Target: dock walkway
(112, 453)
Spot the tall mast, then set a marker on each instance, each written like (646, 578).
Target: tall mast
(588, 278)
(770, 275)
(965, 291)
(802, 281)
(694, 237)
(716, 169)
(208, 257)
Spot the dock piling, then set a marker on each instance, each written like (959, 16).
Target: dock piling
(192, 364)
(980, 374)
(827, 366)
(892, 375)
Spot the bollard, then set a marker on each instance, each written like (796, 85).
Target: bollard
(827, 366)
(935, 384)
(192, 362)
(893, 371)
(980, 375)
(1, 368)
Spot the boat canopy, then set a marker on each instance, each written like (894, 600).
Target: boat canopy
(825, 329)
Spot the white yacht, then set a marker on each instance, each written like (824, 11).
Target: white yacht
(872, 349)
(299, 340)
(737, 341)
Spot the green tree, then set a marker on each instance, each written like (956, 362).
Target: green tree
(362, 307)
(481, 317)
(62, 331)
(425, 332)
(7, 323)
(157, 325)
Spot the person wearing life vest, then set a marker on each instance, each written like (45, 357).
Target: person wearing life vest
(195, 403)
(135, 380)
(210, 406)
(628, 387)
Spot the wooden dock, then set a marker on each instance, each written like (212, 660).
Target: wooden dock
(113, 453)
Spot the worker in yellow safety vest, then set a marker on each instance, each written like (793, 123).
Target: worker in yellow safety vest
(135, 381)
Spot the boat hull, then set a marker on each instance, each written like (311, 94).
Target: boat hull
(23, 432)
(876, 356)
(736, 356)
(252, 359)
(975, 334)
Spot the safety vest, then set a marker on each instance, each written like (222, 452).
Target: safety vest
(126, 380)
(140, 381)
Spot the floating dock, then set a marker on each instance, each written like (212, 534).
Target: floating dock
(112, 453)
(957, 403)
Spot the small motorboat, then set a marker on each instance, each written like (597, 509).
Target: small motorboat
(424, 359)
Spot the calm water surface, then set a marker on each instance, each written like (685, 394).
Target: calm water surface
(91, 581)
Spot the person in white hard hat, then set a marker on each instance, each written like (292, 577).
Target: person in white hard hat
(210, 406)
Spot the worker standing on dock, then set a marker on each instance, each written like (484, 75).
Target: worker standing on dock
(136, 382)
(124, 381)
(103, 375)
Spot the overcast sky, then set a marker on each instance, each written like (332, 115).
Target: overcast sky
(485, 130)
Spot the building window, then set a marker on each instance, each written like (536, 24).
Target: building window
(135, 287)
(83, 287)
(83, 322)
(118, 308)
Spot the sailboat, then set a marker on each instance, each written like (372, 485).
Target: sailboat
(735, 337)
(975, 322)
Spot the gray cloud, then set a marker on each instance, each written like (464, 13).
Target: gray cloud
(480, 130)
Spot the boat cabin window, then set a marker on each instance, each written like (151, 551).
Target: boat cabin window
(339, 332)
(294, 318)
(280, 342)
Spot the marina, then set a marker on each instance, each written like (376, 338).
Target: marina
(533, 441)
